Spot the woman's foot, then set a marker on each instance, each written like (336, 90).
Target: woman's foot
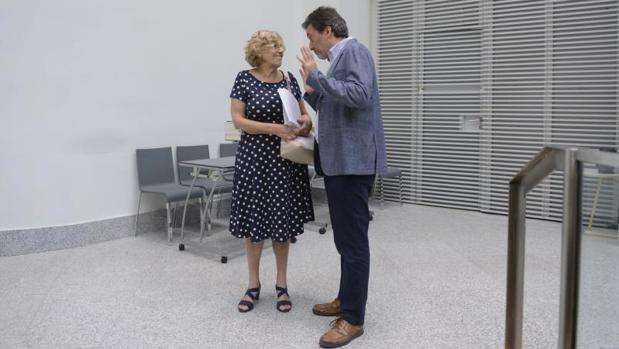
(283, 299)
(247, 302)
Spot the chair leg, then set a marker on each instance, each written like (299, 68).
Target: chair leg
(202, 204)
(183, 219)
(382, 191)
(400, 190)
(169, 222)
(374, 193)
(137, 215)
(174, 218)
(217, 212)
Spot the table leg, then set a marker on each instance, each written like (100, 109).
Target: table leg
(207, 213)
(595, 203)
(195, 176)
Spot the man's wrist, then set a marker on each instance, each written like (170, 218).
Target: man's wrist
(310, 73)
(312, 78)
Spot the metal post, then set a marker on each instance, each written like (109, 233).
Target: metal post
(515, 266)
(532, 174)
(549, 159)
(570, 251)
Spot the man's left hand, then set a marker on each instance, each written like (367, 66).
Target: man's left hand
(308, 63)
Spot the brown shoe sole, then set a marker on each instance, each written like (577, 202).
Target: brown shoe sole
(337, 345)
(324, 313)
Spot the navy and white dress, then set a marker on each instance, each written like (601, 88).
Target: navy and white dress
(271, 196)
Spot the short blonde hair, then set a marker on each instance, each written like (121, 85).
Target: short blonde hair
(258, 41)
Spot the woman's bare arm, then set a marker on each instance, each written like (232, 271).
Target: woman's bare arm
(237, 110)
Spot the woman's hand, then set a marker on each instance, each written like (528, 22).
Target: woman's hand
(306, 126)
(285, 132)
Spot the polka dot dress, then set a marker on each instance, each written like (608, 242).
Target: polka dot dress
(271, 196)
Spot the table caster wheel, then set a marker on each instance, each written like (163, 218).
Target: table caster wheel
(181, 247)
(322, 230)
(293, 240)
(224, 259)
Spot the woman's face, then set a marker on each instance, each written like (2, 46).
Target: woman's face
(272, 54)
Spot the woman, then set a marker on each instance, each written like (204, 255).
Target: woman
(271, 196)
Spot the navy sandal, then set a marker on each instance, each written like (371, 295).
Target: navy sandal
(280, 292)
(254, 294)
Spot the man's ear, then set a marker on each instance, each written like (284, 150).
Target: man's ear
(328, 30)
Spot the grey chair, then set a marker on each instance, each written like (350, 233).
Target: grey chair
(196, 152)
(317, 183)
(392, 172)
(227, 149)
(156, 176)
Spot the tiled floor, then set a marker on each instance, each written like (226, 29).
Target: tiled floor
(437, 281)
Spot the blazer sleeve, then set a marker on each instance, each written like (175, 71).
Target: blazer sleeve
(355, 90)
(313, 99)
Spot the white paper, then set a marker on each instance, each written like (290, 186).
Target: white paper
(292, 112)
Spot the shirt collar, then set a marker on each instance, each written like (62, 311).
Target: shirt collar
(337, 48)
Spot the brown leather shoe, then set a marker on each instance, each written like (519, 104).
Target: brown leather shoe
(328, 309)
(340, 334)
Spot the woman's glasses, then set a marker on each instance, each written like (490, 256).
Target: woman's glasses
(275, 46)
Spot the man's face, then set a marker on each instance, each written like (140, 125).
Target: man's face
(318, 41)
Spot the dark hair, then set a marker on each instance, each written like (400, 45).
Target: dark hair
(324, 17)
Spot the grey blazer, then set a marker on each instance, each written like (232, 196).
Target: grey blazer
(350, 126)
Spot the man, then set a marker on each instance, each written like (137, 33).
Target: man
(349, 153)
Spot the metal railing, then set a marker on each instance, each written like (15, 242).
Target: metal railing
(570, 160)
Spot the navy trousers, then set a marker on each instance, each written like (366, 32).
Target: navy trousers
(348, 196)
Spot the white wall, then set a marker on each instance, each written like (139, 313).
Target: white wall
(85, 83)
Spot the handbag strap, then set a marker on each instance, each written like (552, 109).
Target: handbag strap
(286, 77)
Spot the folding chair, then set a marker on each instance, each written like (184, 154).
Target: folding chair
(227, 149)
(156, 176)
(392, 172)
